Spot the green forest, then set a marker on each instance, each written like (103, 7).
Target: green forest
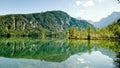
(111, 32)
(55, 24)
(44, 24)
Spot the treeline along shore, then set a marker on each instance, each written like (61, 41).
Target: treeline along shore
(111, 32)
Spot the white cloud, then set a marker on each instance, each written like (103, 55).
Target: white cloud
(112, 9)
(81, 12)
(78, 3)
(99, 0)
(88, 3)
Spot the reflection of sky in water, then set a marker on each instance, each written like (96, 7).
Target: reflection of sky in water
(93, 60)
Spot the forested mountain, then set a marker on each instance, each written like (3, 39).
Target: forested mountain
(108, 20)
(114, 28)
(110, 32)
(38, 23)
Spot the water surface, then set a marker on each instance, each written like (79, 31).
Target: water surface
(54, 53)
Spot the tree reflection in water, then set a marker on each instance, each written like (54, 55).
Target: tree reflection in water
(55, 50)
(117, 61)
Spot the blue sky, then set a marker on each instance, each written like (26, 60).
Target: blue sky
(87, 9)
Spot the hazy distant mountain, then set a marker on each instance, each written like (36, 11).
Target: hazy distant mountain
(90, 21)
(108, 20)
(53, 21)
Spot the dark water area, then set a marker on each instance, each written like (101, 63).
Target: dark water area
(58, 53)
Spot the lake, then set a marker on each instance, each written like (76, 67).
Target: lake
(58, 53)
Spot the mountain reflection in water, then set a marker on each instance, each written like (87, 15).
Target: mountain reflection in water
(54, 53)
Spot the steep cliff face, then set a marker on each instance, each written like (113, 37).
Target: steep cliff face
(53, 21)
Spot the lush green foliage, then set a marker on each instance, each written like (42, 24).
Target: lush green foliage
(38, 24)
(80, 33)
(112, 31)
(114, 28)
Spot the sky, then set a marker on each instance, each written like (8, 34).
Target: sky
(86, 9)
